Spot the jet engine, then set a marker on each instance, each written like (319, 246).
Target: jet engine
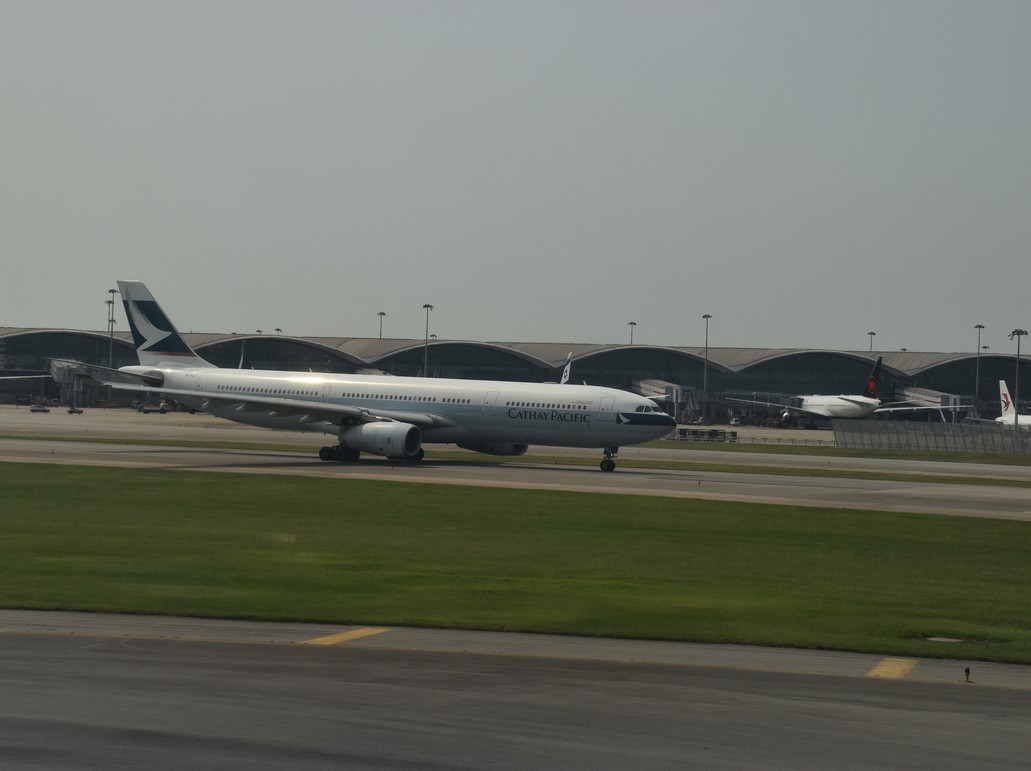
(499, 448)
(394, 440)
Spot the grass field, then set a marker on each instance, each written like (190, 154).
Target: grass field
(354, 551)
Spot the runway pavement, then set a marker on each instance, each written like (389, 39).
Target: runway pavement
(93, 691)
(981, 498)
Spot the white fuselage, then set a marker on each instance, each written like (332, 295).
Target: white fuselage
(1021, 421)
(467, 412)
(839, 406)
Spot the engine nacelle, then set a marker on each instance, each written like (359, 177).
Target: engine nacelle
(394, 440)
(499, 448)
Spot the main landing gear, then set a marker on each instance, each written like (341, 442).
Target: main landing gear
(343, 454)
(339, 453)
(607, 464)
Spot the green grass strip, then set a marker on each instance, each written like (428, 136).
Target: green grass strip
(369, 552)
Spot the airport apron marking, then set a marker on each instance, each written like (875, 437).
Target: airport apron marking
(354, 634)
(893, 668)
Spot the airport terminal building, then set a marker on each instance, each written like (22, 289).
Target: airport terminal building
(690, 382)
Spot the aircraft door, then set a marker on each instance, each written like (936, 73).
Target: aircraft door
(605, 411)
(490, 400)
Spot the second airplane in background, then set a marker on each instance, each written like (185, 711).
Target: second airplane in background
(845, 405)
(1009, 415)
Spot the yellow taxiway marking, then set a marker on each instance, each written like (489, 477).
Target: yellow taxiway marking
(354, 634)
(896, 668)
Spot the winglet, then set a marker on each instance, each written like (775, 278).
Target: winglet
(155, 336)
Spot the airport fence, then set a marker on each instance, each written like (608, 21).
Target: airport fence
(984, 438)
(683, 434)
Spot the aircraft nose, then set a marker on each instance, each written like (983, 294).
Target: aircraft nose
(649, 420)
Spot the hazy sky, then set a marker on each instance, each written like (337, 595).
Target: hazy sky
(806, 172)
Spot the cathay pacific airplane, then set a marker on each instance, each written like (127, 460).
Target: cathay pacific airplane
(385, 415)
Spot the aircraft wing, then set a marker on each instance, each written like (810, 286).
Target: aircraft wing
(778, 405)
(312, 411)
(864, 402)
(94, 371)
(22, 377)
(904, 407)
(750, 401)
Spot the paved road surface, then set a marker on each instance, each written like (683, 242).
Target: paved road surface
(982, 499)
(92, 691)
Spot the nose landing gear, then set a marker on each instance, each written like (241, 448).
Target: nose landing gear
(607, 464)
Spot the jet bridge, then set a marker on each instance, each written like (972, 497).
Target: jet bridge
(674, 398)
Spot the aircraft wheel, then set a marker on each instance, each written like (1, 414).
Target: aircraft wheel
(327, 453)
(417, 458)
(608, 465)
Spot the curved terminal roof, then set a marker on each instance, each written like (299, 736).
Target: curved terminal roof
(25, 348)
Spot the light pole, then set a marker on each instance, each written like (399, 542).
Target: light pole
(705, 367)
(381, 314)
(426, 343)
(111, 327)
(631, 324)
(871, 340)
(1017, 333)
(977, 369)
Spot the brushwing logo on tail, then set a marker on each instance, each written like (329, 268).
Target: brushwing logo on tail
(148, 334)
(152, 331)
